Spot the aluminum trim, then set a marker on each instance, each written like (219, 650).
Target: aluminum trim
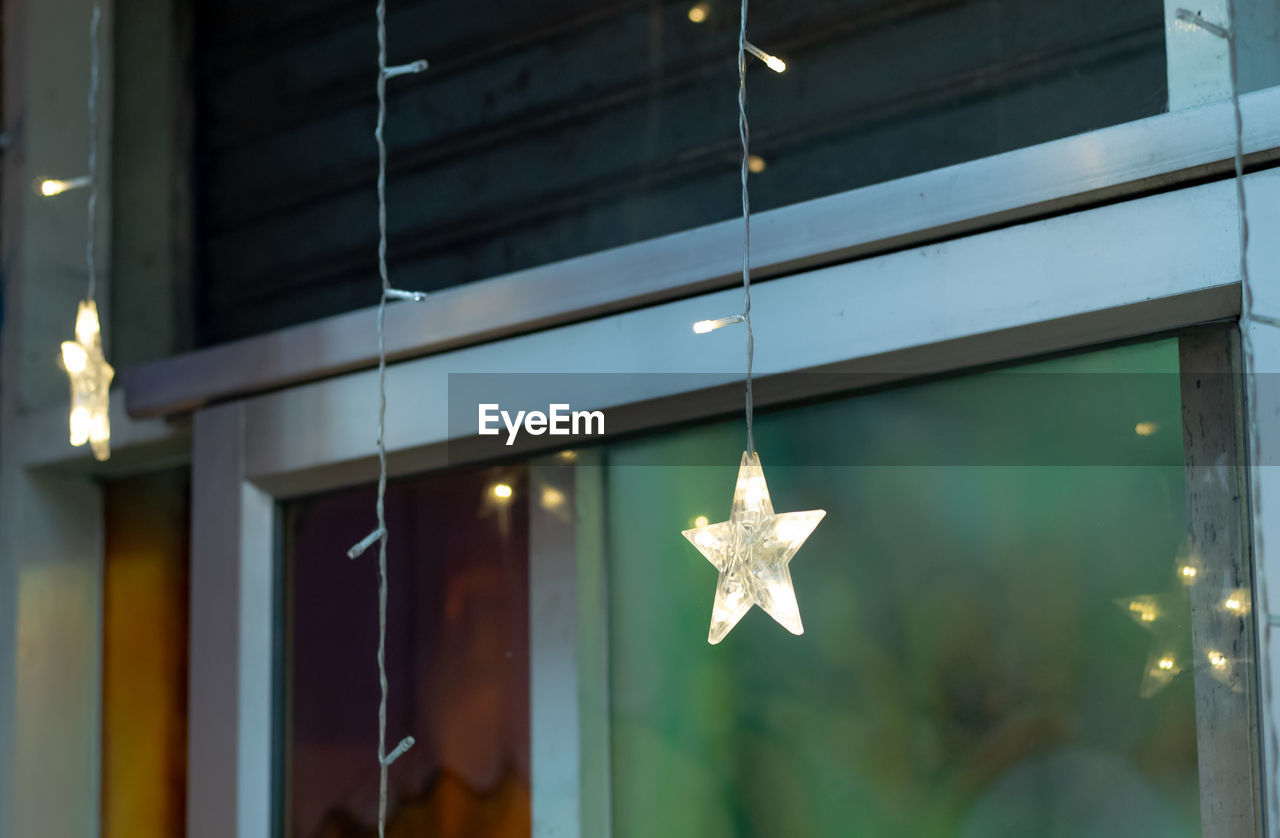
(1157, 153)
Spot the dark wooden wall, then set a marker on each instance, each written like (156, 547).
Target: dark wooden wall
(549, 129)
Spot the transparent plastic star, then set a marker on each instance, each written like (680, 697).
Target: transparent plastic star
(752, 551)
(90, 376)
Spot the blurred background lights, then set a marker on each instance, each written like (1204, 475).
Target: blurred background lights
(701, 521)
(699, 12)
(552, 498)
(1165, 663)
(1187, 571)
(1145, 428)
(501, 491)
(756, 164)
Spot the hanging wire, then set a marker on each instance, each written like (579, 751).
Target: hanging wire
(91, 237)
(744, 133)
(380, 533)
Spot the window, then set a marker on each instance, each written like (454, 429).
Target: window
(999, 610)
(549, 130)
(457, 651)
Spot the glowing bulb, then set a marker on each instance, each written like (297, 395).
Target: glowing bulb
(701, 521)
(699, 12)
(752, 551)
(50, 187)
(773, 62)
(87, 327)
(501, 491)
(1188, 571)
(1165, 663)
(80, 424)
(569, 456)
(755, 164)
(1145, 612)
(90, 376)
(754, 490)
(704, 326)
(1145, 428)
(552, 498)
(1233, 604)
(74, 356)
(1218, 659)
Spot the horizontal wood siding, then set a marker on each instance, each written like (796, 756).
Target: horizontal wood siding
(552, 129)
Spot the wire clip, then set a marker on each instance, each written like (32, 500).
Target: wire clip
(405, 69)
(365, 543)
(1193, 18)
(405, 744)
(397, 294)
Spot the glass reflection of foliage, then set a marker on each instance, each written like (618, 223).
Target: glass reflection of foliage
(965, 672)
(457, 653)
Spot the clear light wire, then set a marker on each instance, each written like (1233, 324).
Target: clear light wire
(91, 237)
(380, 533)
(744, 133)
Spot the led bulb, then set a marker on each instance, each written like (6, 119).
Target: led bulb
(87, 326)
(752, 551)
(501, 491)
(704, 326)
(74, 357)
(699, 12)
(773, 62)
(48, 187)
(90, 377)
(80, 423)
(552, 498)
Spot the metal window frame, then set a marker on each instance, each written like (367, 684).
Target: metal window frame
(1069, 174)
(1062, 282)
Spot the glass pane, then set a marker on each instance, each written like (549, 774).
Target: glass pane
(553, 129)
(457, 654)
(976, 661)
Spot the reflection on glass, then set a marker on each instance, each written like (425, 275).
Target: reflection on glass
(457, 656)
(554, 129)
(966, 672)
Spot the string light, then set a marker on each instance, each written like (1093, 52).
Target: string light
(380, 533)
(704, 326)
(89, 374)
(773, 62)
(753, 549)
(501, 491)
(699, 12)
(49, 187)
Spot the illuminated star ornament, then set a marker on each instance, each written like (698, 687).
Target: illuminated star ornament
(752, 551)
(90, 376)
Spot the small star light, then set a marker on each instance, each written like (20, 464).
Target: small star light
(90, 376)
(752, 551)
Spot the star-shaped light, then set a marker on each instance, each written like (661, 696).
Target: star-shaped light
(90, 376)
(752, 551)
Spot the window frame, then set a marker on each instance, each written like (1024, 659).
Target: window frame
(1027, 289)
